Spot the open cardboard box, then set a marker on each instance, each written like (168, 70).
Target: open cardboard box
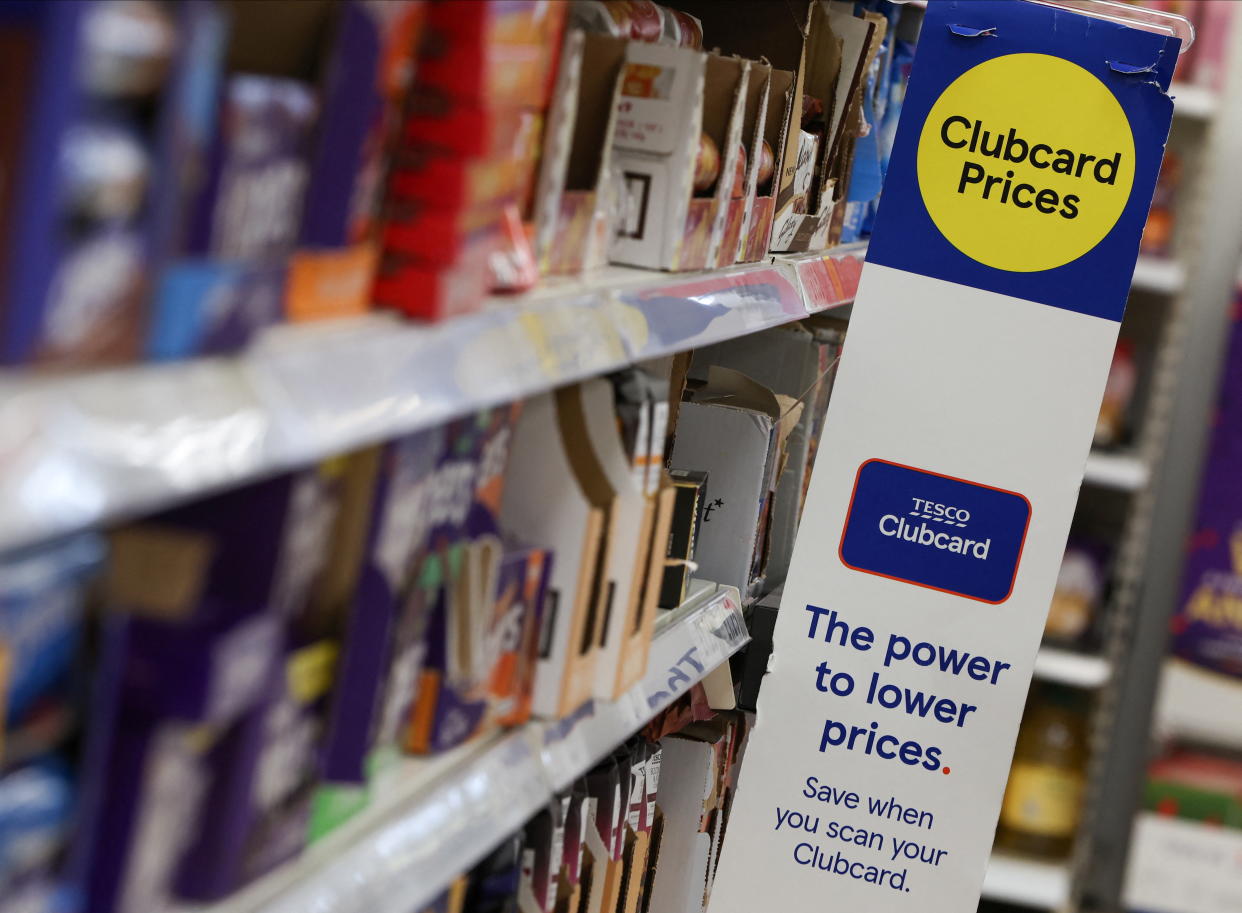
(693, 771)
(839, 162)
(640, 521)
(669, 96)
(732, 429)
(556, 497)
(771, 126)
(737, 206)
(602, 857)
(826, 48)
(574, 199)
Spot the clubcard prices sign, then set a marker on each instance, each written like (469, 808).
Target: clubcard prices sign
(957, 434)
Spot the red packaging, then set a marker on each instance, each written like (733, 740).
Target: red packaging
(500, 54)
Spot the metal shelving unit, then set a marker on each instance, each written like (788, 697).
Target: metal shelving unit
(1039, 885)
(1067, 667)
(432, 818)
(86, 448)
(1176, 420)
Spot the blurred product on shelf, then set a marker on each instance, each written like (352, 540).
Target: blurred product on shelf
(41, 680)
(88, 87)
(1205, 626)
(795, 362)
(1196, 786)
(1112, 425)
(603, 506)
(641, 20)
(1157, 240)
(689, 510)
(394, 512)
(1076, 599)
(575, 193)
(1187, 836)
(460, 188)
(192, 173)
(261, 658)
(1043, 801)
(1204, 62)
(640, 832)
(730, 427)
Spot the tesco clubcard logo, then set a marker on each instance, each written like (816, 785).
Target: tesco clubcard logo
(935, 531)
(918, 526)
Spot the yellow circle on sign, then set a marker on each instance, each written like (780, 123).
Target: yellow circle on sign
(1026, 162)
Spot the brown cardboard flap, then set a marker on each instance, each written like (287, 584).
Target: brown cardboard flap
(779, 122)
(855, 34)
(726, 387)
(280, 37)
(719, 94)
(824, 55)
(576, 440)
(775, 32)
(771, 29)
(156, 570)
(601, 68)
(339, 578)
(756, 91)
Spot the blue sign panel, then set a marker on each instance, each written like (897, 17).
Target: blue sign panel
(935, 531)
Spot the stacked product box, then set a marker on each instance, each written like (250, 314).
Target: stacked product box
(232, 165)
(208, 708)
(79, 145)
(283, 176)
(42, 611)
(639, 833)
(587, 482)
(461, 188)
(1204, 628)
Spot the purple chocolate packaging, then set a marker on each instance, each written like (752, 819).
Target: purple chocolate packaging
(1206, 629)
(262, 544)
(143, 779)
(370, 65)
(264, 772)
(200, 697)
(207, 671)
(459, 630)
(253, 202)
(396, 534)
(210, 307)
(73, 287)
(200, 305)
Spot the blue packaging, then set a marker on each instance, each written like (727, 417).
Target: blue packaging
(36, 805)
(41, 592)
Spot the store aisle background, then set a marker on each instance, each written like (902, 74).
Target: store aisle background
(350, 360)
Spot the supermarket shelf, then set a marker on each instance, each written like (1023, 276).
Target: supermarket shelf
(1042, 885)
(434, 818)
(1183, 865)
(1122, 471)
(1070, 668)
(1198, 705)
(1161, 275)
(1194, 102)
(80, 449)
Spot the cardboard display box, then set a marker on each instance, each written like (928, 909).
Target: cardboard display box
(761, 205)
(640, 518)
(553, 500)
(669, 96)
(731, 429)
(793, 362)
(574, 197)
